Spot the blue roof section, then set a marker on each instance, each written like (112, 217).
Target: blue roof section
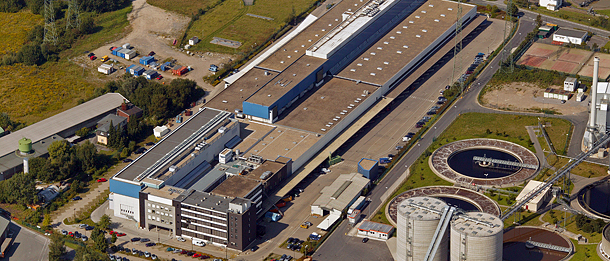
(124, 188)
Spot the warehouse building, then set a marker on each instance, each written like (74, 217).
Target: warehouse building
(57, 127)
(337, 197)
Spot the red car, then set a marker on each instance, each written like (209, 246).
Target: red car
(71, 234)
(102, 180)
(92, 57)
(120, 234)
(196, 255)
(111, 232)
(159, 77)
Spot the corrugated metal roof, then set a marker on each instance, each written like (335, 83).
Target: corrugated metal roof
(61, 121)
(356, 183)
(374, 226)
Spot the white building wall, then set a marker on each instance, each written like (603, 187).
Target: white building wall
(125, 207)
(567, 39)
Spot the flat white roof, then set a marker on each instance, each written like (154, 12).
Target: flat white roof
(531, 185)
(602, 87)
(62, 121)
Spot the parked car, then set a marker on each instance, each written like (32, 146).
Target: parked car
(176, 251)
(82, 225)
(135, 239)
(169, 249)
(197, 255)
(151, 53)
(76, 198)
(159, 77)
(364, 240)
(120, 234)
(144, 240)
(89, 228)
(146, 254)
(90, 54)
(180, 239)
(254, 248)
(183, 252)
(153, 257)
(150, 244)
(84, 238)
(92, 57)
(199, 243)
(150, 143)
(127, 160)
(102, 180)
(64, 232)
(140, 150)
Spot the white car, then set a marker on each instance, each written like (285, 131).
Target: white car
(82, 225)
(181, 239)
(198, 243)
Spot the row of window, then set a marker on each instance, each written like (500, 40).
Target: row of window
(158, 219)
(159, 213)
(204, 237)
(205, 217)
(200, 222)
(205, 211)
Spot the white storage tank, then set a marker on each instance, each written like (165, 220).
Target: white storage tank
(476, 236)
(416, 227)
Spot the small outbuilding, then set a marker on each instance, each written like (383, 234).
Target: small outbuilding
(150, 74)
(539, 201)
(368, 168)
(160, 131)
(375, 230)
(552, 5)
(147, 60)
(194, 40)
(105, 68)
(570, 84)
(564, 35)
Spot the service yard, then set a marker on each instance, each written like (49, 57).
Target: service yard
(154, 29)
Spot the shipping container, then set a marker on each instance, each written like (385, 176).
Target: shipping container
(147, 60)
(150, 74)
(164, 66)
(128, 69)
(180, 71)
(116, 50)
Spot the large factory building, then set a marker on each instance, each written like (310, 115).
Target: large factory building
(296, 98)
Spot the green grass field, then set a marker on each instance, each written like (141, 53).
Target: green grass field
(110, 26)
(15, 27)
(32, 93)
(185, 7)
(229, 20)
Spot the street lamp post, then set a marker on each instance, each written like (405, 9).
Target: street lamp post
(226, 250)
(158, 239)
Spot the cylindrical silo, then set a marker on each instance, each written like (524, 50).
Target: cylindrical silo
(417, 220)
(605, 245)
(476, 236)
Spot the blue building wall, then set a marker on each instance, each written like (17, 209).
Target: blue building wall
(256, 110)
(371, 173)
(295, 91)
(125, 188)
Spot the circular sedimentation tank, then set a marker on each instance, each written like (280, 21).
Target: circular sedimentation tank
(484, 162)
(466, 199)
(416, 227)
(25, 146)
(476, 236)
(516, 249)
(600, 191)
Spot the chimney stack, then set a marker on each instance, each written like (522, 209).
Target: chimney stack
(593, 115)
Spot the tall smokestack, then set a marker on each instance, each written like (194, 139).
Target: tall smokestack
(592, 116)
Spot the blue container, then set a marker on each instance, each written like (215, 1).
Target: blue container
(128, 69)
(116, 51)
(164, 66)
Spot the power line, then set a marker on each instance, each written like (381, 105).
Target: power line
(50, 33)
(72, 15)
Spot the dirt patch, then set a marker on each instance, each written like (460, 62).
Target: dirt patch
(154, 29)
(529, 97)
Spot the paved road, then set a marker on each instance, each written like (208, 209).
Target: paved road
(546, 18)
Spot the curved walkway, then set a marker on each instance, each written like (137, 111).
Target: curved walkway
(440, 166)
(481, 201)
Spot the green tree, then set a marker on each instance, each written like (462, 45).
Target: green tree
(113, 238)
(86, 154)
(57, 248)
(84, 253)
(46, 222)
(31, 54)
(11, 6)
(538, 20)
(104, 223)
(58, 149)
(83, 132)
(512, 9)
(99, 240)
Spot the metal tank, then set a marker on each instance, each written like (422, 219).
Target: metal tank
(416, 227)
(25, 146)
(605, 244)
(476, 236)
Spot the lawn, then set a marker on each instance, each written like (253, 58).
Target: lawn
(585, 252)
(584, 169)
(109, 27)
(185, 7)
(476, 125)
(229, 20)
(15, 27)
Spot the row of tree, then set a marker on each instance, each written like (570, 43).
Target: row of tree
(157, 100)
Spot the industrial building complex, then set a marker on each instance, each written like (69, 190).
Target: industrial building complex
(213, 169)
